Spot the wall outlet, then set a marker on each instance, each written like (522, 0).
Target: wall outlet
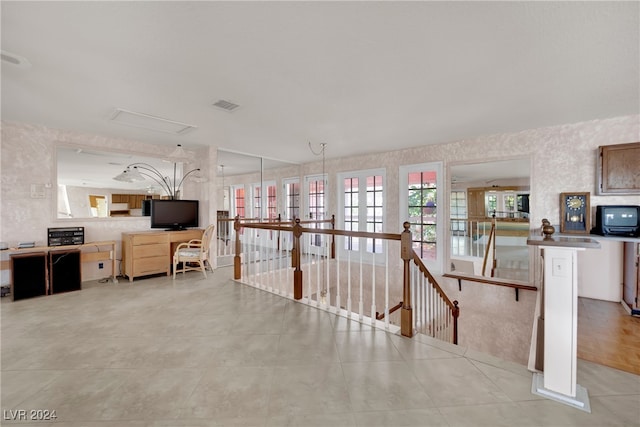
(101, 265)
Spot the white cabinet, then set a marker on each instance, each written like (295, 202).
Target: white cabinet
(631, 287)
(600, 271)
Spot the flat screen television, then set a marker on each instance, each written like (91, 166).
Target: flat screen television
(174, 214)
(617, 220)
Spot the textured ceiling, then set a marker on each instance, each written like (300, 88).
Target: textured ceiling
(359, 76)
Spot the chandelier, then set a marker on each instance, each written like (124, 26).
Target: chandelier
(142, 171)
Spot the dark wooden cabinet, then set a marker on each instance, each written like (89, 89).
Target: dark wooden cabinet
(618, 171)
(36, 274)
(64, 271)
(132, 201)
(476, 203)
(28, 275)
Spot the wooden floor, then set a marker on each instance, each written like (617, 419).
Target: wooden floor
(608, 335)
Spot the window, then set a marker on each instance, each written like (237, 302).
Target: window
(492, 204)
(270, 210)
(458, 213)
(257, 201)
(362, 207)
(316, 198)
(421, 201)
(422, 207)
(510, 202)
(272, 205)
(502, 204)
(292, 198)
(315, 186)
(374, 211)
(238, 208)
(351, 216)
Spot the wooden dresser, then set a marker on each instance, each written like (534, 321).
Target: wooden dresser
(151, 252)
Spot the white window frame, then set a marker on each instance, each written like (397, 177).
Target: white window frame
(435, 266)
(314, 249)
(233, 206)
(263, 200)
(362, 176)
(285, 191)
(460, 217)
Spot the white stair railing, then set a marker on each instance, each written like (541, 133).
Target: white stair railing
(345, 279)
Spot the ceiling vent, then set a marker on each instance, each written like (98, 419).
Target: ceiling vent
(15, 60)
(146, 121)
(226, 105)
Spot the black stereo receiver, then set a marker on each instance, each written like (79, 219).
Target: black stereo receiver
(65, 236)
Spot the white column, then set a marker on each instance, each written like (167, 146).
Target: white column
(558, 381)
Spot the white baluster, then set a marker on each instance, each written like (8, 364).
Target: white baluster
(309, 256)
(318, 280)
(338, 302)
(386, 285)
(361, 301)
(326, 279)
(373, 286)
(349, 283)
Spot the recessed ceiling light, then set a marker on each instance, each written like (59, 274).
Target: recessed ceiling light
(147, 121)
(226, 105)
(15, 60)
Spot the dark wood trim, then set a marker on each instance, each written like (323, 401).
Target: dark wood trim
(380, 316)
(490, 281)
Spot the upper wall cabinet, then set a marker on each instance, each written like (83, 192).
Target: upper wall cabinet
(619, 169)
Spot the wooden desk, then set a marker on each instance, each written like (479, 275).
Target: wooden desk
(85, 256)
(151, 252)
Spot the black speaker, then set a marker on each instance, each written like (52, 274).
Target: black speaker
(28, 275)
(146, 207)
(64, 271)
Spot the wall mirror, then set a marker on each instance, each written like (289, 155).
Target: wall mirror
(86, 187)
(484, 196)
(245, 169)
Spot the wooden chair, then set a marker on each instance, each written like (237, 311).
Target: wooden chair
(194, 255)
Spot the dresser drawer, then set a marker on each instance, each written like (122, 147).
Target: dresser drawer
(185, 235)
(151, 265)
(149, 239)
(151, 250)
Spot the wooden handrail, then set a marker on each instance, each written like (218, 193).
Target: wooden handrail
(315, 221)
(380, 316)
(329, 231)
(407, 254)
(491, 243)
(491, 281)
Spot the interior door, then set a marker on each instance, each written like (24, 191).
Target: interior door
(631, 274)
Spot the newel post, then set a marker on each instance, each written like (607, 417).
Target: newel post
(406, 252)
(237, 263)
(333, 237)
(456, 314)
(295, 257)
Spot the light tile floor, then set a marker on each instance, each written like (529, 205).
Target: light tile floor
(212, 352)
